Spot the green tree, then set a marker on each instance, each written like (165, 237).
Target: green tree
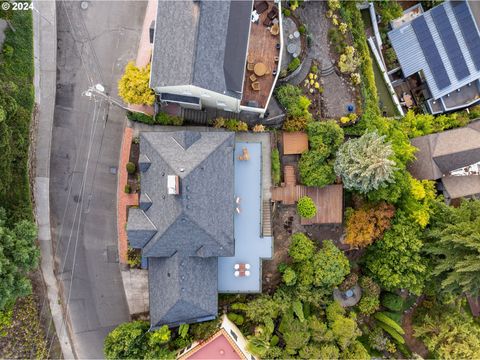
(134, 87)
(325, 136)
(331, 266)
(292, 99)
(295, 335)
(315, 170)
(306, 207)
(449, 333)
(395, 261)
(127, 341)
(454, 243)
(366, 163)
(328, 352)
(301, 248)
(18, 255)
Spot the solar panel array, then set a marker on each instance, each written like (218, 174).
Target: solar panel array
(430, 52)
(469, 31)
(450, 43)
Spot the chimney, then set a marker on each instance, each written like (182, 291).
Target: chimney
(173, 185)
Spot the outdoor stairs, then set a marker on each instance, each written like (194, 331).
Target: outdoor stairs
(266, 218)
(327, 70)
(289, 175)
(195, 117)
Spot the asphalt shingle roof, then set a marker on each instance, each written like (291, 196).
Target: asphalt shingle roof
(202, 43)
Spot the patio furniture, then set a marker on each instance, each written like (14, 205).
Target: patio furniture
(255, 16)
(296, 34)
(273, 13)
(261, 6)
(250, 59)
(236, 273)
(236, 266)
(237, 200)
(277, 46)
(276, 59)
(260, 69)
(247, 273)
(250, 66)
(247, 266)
(252, 77)
(256, 86)
(291, 48)
(275, 29)
(408, 100)
(245, 155)
(268, 21)
(242, 270)
(237, 209)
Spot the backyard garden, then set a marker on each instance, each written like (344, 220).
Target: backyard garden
(389, 282)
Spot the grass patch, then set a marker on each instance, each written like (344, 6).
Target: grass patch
(17, 100)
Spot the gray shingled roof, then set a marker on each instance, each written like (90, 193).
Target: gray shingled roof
(182, 235)
(182, 289)
(440, 153)
(412, 60)
(460, 186)
(202, 43)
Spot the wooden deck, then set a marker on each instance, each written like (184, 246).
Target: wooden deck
(328, 199)
(294, 143)
(262, 46)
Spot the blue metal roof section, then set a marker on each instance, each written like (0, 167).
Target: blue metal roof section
(450, 42)
(250, 247)
(429, 53)
(468, 28)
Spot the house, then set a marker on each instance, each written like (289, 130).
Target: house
(452, 158)
(217, 54)
(227, 343)
(441, 48)
(187, 225)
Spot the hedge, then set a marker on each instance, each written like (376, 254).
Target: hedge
(393, 333)
(383, 318)
(162, 118)
(275, 167)
(392, 302)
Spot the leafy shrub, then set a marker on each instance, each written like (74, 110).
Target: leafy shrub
(306, 207)
(314, 170)
(134, 257)
(395, 316)
(369, 286)
(130, 167)
(296, 123)
(383, 318)
(294, 64)
(286, 12)
(134, 87)
(289, 276)
(275, 166)
(368, 304)
(349, 282)
(236, 318)
(230, 124)
(258, 128)
(368, 224)
(392, 332)
(204, 330)
(325, 136)
(393, 302)
(163, 118)
(292, 99)
(390, 58)
(140, 117)
(127, 341)
(302, 29)
(314, 69)
(348, 61)
(301, 248)
(274, 340)
(127, 189)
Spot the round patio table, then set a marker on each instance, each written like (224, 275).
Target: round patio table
(291, 48)
(260, 69)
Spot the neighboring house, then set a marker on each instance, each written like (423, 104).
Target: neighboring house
(227, 343)
(185, 223)
(452, 158)
(442, 48)
(200, 52)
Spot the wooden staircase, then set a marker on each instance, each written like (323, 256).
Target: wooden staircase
(289, 175)
(266, 218)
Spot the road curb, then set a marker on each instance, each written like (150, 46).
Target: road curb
(45, 56)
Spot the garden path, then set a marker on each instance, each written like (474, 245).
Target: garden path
(337, 93)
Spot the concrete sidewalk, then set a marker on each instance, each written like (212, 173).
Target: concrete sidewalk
(45, 55)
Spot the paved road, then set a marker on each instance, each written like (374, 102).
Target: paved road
(93, 47)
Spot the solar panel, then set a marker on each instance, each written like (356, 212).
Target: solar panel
(449, 41)
(430, 52)
(469, 31)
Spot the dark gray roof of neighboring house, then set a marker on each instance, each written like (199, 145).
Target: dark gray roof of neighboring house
(440, 153)
(460, 186)
(182, 289)
(202, 43)
(198, 221)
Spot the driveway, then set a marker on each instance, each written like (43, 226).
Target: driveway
(94, 45)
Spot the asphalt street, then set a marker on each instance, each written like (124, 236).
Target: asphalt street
(94, 46)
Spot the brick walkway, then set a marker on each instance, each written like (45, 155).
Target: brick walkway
(124, 200)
